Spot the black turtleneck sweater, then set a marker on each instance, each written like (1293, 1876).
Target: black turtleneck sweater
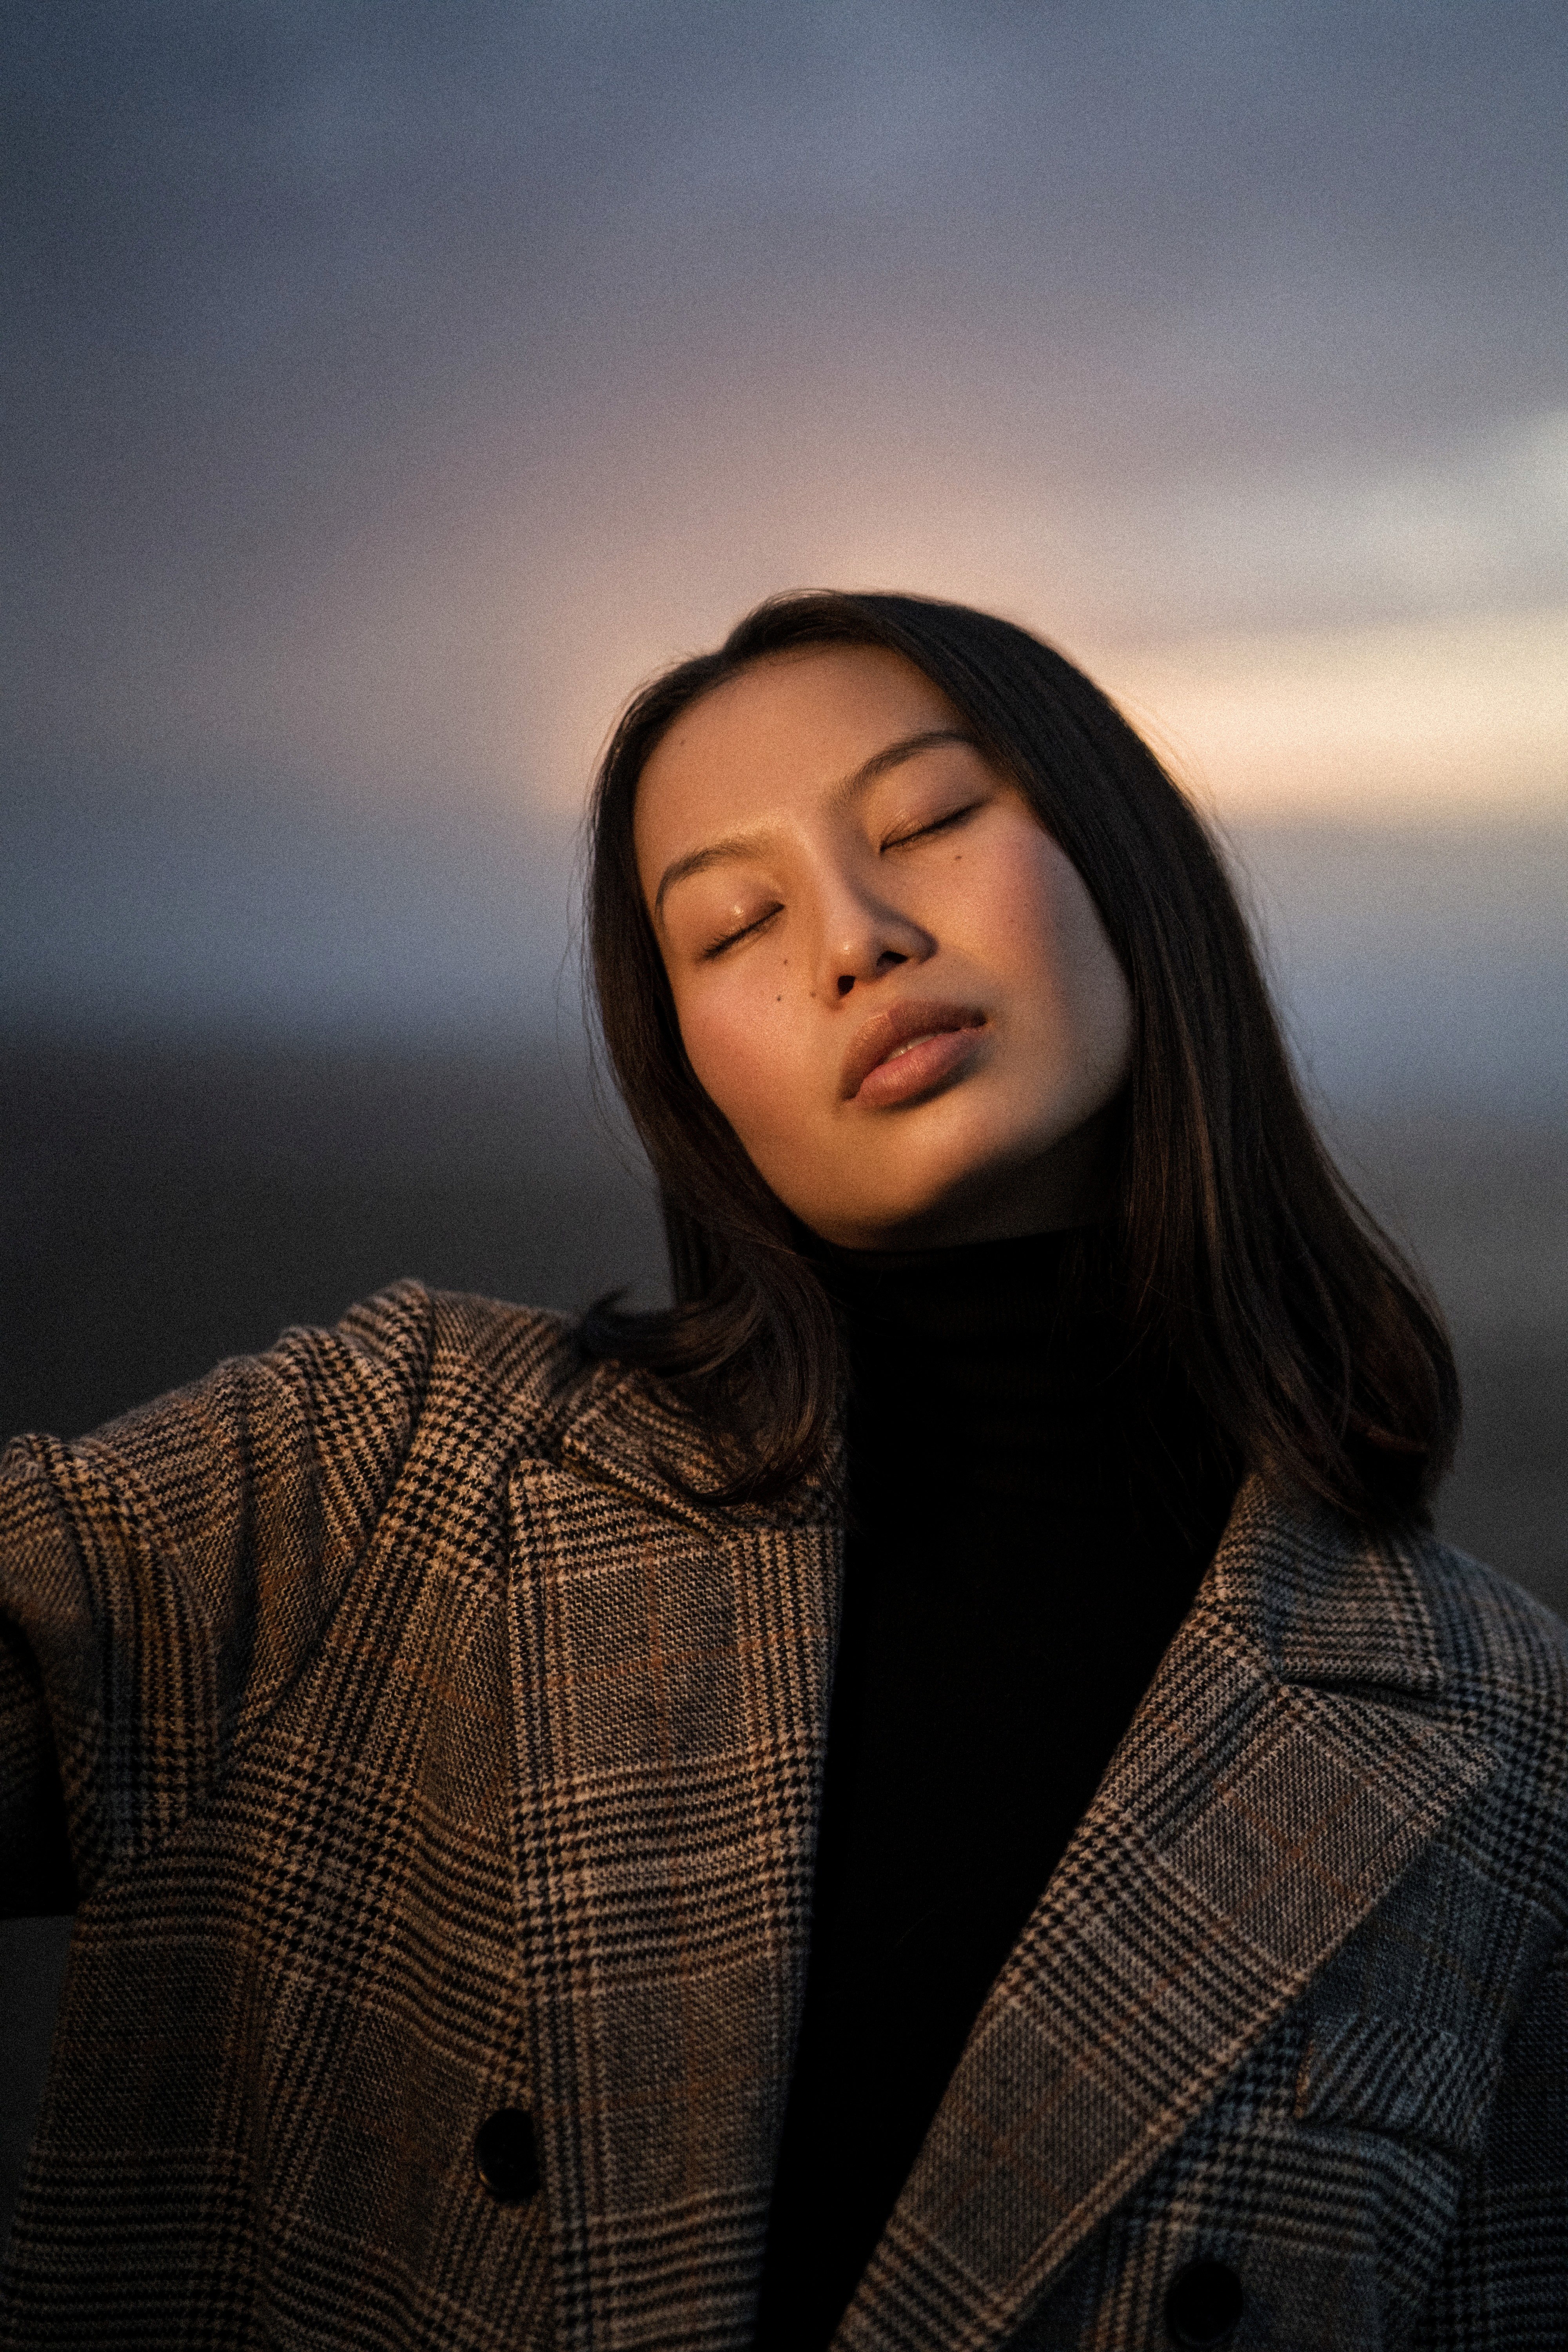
(1030, 1520)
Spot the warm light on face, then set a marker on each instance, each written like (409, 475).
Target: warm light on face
(888, 977)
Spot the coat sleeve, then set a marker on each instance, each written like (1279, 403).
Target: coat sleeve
(1504, 2281)
(163, 1581)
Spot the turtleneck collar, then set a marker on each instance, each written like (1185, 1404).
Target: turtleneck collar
(1001, 1369)
(1027, 1299)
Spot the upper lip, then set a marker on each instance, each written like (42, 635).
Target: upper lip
(894, 1026)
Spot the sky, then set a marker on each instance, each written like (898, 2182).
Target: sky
(388, 387)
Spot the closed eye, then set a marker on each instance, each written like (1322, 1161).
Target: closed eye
(938, 824)
(732, 938)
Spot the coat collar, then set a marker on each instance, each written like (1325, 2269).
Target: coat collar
(627, 1430)
(1289, 1760)
(1325, 1603)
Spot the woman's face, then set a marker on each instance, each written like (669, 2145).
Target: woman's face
(889, 978)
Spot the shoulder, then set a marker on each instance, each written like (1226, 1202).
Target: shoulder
(1504, 1652)
(518, 1369)
(464, 1366)
(1333, 1601)
(358, 1394)
(1502, 1659)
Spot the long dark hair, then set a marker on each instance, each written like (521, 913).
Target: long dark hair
(1241, 1260)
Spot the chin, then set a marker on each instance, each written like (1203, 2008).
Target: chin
(1017, 1187)
(916, 1217)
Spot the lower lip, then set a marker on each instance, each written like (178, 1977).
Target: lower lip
(919, 1068)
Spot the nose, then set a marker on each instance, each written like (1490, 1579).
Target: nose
(887, 962)
(864, 938)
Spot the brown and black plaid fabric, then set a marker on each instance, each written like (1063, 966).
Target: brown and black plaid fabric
(425, 1754)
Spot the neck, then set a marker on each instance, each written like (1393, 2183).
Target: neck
(1067, 1186)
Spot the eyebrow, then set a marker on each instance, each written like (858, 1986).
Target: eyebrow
(738, 845)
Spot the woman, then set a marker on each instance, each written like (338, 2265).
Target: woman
(938, 1793)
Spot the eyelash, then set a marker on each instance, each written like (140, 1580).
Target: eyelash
(897, 841)
(734, 938)
(940, 824)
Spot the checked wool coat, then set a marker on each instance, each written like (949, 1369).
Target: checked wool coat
(426, 1754)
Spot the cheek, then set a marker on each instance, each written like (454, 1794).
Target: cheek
(1066, 980)
(745, 1050)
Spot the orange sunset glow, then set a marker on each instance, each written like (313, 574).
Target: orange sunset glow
(395, 400)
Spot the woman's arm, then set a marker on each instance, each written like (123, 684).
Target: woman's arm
(163, 1581)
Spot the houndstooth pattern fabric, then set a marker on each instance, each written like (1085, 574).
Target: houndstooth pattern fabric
(425, 1752)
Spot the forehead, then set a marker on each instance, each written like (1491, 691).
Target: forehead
(788, 727)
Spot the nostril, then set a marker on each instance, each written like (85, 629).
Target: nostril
(845, 983)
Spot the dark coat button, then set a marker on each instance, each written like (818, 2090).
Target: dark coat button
(1202, 2304)
(505, 2157)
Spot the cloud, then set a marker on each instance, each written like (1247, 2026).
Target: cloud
(1432, 720)
(401, 384)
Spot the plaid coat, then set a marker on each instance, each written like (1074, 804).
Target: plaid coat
(425, 1754)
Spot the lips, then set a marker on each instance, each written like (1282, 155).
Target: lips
(895, 1032)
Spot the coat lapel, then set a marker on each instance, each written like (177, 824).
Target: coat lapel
(672, 1666)
(1277, 1781)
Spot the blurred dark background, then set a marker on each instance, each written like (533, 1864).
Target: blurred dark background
(167, 1208)
(388, 387)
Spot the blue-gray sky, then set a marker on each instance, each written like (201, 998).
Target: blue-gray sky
(387, 386)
